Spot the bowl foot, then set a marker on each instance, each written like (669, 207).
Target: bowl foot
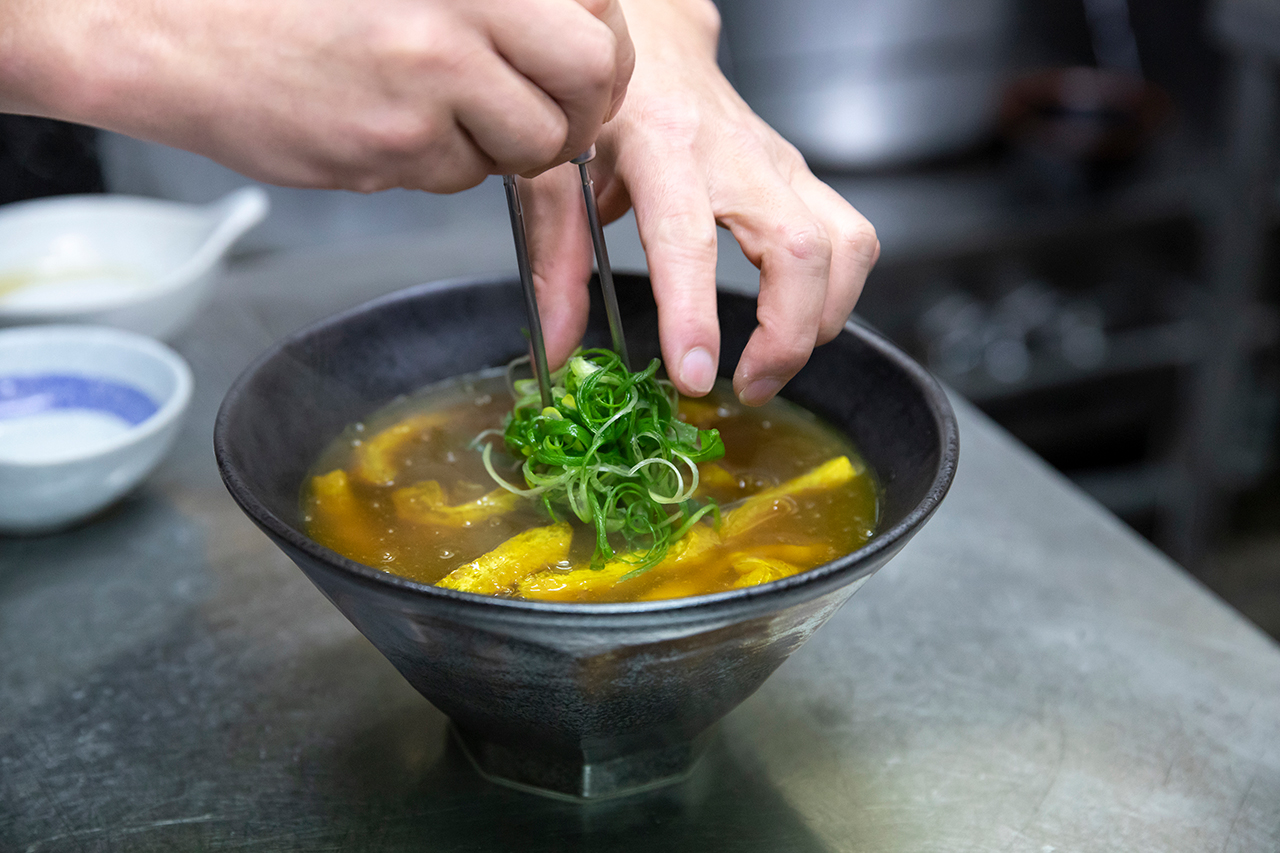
(581, 779)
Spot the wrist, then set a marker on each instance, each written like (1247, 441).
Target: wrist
(673, 25)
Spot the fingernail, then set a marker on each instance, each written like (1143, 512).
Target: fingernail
(698, 370)
(760, 391)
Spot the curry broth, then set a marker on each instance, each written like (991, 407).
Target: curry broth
(406, 492)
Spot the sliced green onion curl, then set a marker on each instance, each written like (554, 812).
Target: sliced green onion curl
(611, 452)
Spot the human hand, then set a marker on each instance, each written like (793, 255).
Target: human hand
(424, 94)
(687, 152)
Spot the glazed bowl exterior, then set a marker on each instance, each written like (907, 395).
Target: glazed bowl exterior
(580, 700)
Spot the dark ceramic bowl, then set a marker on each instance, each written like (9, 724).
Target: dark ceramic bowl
(582, 700)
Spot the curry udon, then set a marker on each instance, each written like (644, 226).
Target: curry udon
(406, 491)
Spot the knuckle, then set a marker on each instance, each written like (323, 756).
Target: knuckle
(362, 181)
(401, 134)
(790, 353)
(412, 44)
(373, 184)
(859, 237)
(830, 327)
(787, 154)
(547, 139)
(597, 8)
(691, 235)
(807, 242)
(708, 18)
(671, 124)
(452, 180)
(598, 58)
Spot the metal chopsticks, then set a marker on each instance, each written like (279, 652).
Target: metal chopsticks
(602, 257)
(526, 273)
(526, 282)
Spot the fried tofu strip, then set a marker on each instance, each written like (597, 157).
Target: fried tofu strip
(581, 583)
(762, 506)
(521, 555)
(425, 503)
(763, 564)
(374, 459)
(753, 571)
(713, 476)
(343, 520)
(700, 413)
(584, 582)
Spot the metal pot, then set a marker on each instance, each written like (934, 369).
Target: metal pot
(871, 83)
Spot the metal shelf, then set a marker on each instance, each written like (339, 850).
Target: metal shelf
(945, 217)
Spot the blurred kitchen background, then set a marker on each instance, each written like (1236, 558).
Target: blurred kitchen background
(1077, 206)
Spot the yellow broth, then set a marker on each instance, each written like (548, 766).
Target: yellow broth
(406, 492)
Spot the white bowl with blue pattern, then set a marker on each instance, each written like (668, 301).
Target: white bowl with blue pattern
(86, 413)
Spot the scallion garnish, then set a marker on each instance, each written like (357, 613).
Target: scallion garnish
(610, 451)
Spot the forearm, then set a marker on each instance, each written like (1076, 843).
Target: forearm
(107, 64)
(427, 94)
(34, 63)
(140, 67)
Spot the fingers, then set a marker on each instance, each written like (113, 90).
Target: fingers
(782, 236)
(610, 12)
(578, 54)
(517, 126)
(560, 254)
(514, 87)
(814, 252)
(854, 250)
(678, 231)
(813, 249)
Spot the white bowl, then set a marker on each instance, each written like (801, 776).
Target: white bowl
(136, 263)
(86, 412)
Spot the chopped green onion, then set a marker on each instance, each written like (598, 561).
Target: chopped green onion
(611, 452)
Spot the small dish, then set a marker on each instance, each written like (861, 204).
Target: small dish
(135, 263)
(86, 412)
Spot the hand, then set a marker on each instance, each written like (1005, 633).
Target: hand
(425, 94)
(687, 152)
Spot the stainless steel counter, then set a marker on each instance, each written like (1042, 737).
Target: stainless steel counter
(1027, 675)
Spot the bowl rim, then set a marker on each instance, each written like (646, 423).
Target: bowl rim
(166, 412)
(857, 563)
